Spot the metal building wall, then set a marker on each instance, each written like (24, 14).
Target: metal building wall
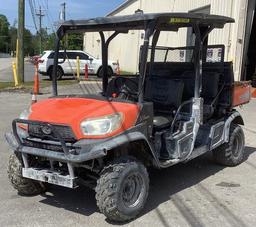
(125, 47)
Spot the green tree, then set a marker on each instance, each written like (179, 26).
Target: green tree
(4, 29)
(75, 41)
(50, 42)
(28, 48)
(12, 34)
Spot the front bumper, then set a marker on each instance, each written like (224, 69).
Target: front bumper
(80, 151)
(83, 153)
(42, 72)
(51, 177)
(70, 153)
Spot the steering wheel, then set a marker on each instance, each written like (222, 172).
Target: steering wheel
(125, 92)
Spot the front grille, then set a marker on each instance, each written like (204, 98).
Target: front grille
(43, 131)
(35, 144)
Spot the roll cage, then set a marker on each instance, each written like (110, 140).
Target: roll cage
(152, 24)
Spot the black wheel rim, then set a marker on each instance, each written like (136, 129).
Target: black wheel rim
(132, 190)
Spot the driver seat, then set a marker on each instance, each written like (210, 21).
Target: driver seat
(166, 96)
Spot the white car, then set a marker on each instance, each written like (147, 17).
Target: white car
(68, 67)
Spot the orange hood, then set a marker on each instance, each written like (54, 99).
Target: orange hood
(72, 111)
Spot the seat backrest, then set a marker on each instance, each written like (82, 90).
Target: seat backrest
(165, 94)
(210, 85)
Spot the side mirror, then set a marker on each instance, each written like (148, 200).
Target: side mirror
(91, 60)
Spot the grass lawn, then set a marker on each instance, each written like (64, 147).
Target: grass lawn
(29, 85)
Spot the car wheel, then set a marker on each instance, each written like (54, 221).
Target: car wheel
(60, 73)
(232, 152)
(100, 73)
(50, 73)
(122, 189)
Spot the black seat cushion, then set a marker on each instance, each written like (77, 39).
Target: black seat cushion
(162, 122)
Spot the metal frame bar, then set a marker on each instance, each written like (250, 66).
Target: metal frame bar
(201, 34)
(153, 50)
(62, 142)
(149, 30)
(167, 49)
(55, 66)
(104, 48)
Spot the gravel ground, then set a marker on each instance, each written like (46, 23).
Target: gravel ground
(199, 193)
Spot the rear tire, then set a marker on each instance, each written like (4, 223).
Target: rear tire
(122, 189)
(60, 73)
(23, 185)
(100, 73)
(231, 153)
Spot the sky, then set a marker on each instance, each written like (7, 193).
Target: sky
(75, 9)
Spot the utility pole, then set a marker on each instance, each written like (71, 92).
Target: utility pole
(40, 15)
(20, 57)
(63, 14)
(63, 18)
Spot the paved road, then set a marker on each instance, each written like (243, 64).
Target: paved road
(197, 194)
(6, 73)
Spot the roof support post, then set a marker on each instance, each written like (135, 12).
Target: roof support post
(143, 59)
(104, 47)
(198, 62)
(201, 35)
(153, 51)
(55, 66)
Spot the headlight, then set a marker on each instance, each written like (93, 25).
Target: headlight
(101, 126)
(25, 114)
(23, 128)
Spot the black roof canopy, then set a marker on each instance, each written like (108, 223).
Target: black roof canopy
(138, 21)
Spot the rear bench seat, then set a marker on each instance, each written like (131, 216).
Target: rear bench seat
(185, 72)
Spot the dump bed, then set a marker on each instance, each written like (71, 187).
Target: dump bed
(241, 93)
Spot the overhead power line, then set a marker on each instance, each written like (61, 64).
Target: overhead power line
(32, 9)
(40, 15)
(48, 15)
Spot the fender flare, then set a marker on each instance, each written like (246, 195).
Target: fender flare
(120, 140)
(235, 118)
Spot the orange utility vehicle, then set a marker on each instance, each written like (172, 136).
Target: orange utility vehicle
(179, 106)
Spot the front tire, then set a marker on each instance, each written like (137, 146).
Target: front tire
(232, 152)
(122, 190)
(23, 185)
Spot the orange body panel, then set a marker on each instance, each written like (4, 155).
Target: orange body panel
(72, 111)
(242, 93)
(253, 92)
